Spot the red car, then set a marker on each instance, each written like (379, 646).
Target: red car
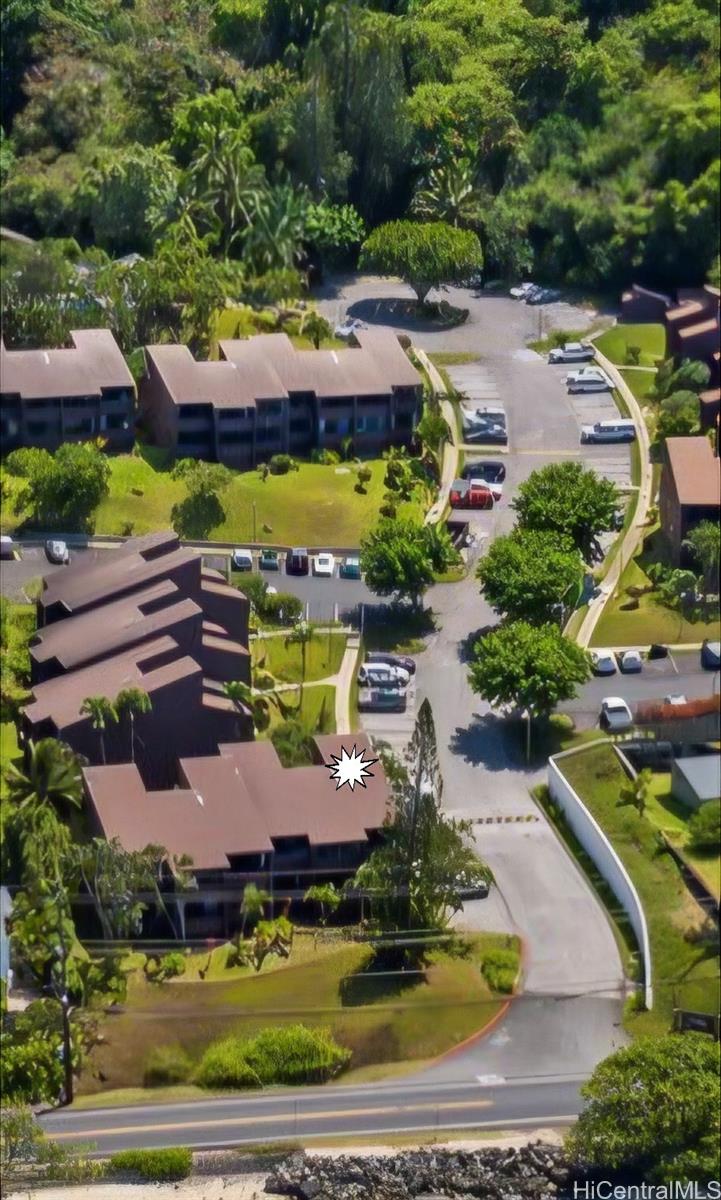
(465, 494)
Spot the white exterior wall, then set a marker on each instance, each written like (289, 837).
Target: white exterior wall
(597, 845)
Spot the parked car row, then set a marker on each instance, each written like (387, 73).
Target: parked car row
(383, 681)
(299, 562)
(571, 352)
(474, 493)
(607, 662)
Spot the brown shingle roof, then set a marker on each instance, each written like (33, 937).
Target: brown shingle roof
(106, 630)
(268, 367)
(695, 471)
(238, 802)
(93, 362)
(691, 331)
(60, 699)
(112, 575)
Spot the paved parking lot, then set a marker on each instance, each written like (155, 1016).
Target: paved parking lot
(16, 573)
(393, 728)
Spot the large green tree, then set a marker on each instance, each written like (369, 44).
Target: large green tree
(569, 499)
(653, 1108)
(527, 667)
(400, 557)
(704, 542)
(61, 490)
(424, 255)
(527, 574)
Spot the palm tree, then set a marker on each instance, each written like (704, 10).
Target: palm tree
(101, 711)
(451, 193)
(636, 791)
(132, 700)
(50, 776)
(241, 695)
(301, 634)
(327, 897)
(314, 326)
(252, 907)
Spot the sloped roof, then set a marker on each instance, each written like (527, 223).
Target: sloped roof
(695, 470)
(92, 363)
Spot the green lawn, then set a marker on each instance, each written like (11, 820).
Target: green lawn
(685, 969)
(640, 382)
(315, 505)
(317, 710)
(244, 321)
(323, 656)
(651, 338)
(9, 751)
(381, 1019)
(670, 816)
(650, 622)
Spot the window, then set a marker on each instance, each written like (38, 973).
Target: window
(83, 425)
(38, 428)
(79, 402)
(344, 425)
(336, 401)
(267, 436)
(194, 410)
(233, 437)
(327, 426)
(233, 414)
(190, 439)
(114, 421)
(371, 424)
(273, 409)
(404, 420)
(300, 425)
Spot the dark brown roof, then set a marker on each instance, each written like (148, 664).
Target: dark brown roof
(238, 802)
(695, 471)
(110, 576)
(692, 331)
(60, 699)
(106, 630)
(268, 367)
(92, 363)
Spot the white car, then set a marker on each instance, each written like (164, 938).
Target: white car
(675, 699)
(242, 560)
(324, 564)
(615, 714)
(57, 552)
(519, 293)
(588, 379)
(571, 352)
(603, 662)
(381, 675)
(348, 327)
(631, 661)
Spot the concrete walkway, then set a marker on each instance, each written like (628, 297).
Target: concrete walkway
(344, 680)
(639, 524)
(449, 466)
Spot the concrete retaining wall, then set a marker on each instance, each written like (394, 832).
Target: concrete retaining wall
(598, 847)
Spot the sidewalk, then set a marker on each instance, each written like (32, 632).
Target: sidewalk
(344, 681)
(449, 466)
(638, 526)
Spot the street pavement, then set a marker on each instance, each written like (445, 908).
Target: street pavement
(284, 1114)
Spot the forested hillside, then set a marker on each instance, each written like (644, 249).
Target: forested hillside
(578, 137)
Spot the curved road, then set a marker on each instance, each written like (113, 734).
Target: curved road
(527, 1070)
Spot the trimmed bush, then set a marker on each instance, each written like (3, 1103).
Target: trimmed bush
(289, 1054)
(166, 1064)
(281, 464)
(224, 1066)
(295, 1054)
(156, 1166)
(499, 969)
(705, 826)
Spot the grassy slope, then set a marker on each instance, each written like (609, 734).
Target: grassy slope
(383, 1023)
(614, 343)
(284, 661)
(640, 382)
(670, 816)
(317, 711)
(650, 622)
(685, 973)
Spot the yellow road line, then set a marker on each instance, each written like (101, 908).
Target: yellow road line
(265, 1117)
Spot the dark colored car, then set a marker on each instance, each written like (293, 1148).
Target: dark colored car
(393, 660)
(350, 568)
(491, 472)
(381, 700)
(485, 430)
(710, 655)
(656, 650)
(297, 562)
(269, 560)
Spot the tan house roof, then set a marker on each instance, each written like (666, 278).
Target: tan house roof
(94, 362)
(695, 471)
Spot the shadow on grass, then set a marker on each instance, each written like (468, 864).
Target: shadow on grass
(390, 972)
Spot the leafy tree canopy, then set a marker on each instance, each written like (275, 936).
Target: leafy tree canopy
(527, 573)
(400, 556)
(424, 255)
(528, 666)
(566, 498)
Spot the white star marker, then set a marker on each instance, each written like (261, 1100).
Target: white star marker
(350, 768)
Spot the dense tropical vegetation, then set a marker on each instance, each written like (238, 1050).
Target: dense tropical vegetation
(232, 142)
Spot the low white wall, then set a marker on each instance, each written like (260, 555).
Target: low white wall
(597, 846)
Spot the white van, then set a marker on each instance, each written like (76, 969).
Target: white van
(621, 430)
(588, 379)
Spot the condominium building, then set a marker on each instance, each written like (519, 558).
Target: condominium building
(265, 397)
(80, 392)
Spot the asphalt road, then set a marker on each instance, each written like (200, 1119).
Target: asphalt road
(285, 1114)
(16, 573)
